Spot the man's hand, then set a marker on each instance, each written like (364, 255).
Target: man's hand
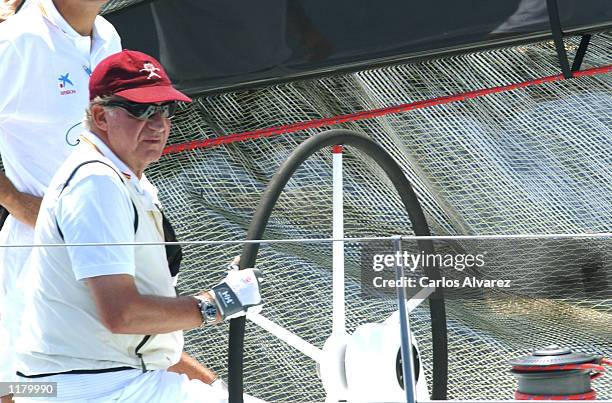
(7, 399)
(238, 293)
(8, 8)
(22, 206)
(194, 370)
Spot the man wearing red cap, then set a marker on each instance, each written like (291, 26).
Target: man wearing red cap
(104, 322)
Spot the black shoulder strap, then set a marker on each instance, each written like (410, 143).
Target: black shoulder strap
(72, 175)
(174, 252)
(4, 213)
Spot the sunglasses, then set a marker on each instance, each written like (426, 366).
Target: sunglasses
(144, 111)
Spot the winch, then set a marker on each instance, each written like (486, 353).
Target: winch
(557, 373)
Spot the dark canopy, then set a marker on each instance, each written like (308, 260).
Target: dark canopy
(216, 45)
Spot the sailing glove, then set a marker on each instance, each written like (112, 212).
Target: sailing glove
(238, 293)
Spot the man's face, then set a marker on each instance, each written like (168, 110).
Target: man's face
(136, 142)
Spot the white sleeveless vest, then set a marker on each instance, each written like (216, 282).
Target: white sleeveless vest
(60, 330)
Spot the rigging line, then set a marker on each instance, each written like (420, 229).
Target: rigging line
(600, 235)
(369, 114)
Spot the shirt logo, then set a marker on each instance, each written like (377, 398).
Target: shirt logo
(151, 69)
(65, 79)
(64, 83)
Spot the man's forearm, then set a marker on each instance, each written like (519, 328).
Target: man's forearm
(22, 206)
(25, 208)
(122, 309)
(193, 369)
(155, 315)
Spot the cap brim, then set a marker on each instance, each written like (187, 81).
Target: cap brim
(153, 94)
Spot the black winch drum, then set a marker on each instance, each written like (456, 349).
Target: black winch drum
(548, 371)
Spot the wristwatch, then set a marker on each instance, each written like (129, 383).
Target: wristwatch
(207, 308)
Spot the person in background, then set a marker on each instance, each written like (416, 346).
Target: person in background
(47, 51)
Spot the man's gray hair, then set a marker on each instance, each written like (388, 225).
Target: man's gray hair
(88, 120)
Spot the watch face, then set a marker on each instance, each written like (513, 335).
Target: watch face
(211, 311)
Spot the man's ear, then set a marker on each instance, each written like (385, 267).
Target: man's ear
(99, 115)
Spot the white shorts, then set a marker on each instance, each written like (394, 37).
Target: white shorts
(132, 386)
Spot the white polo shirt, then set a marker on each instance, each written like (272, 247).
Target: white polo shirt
(44, 74)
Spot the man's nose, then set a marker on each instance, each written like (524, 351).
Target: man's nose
(157, 122)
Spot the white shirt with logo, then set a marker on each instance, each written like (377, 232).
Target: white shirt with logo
(44, 76)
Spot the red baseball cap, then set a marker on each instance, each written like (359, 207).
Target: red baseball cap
(134, 76)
